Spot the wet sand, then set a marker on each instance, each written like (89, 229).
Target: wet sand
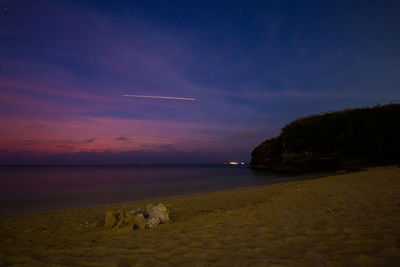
(343, 220)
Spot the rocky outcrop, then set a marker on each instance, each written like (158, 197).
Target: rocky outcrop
(336, 140)
(110, 219)
(137, 219)
(156, 215)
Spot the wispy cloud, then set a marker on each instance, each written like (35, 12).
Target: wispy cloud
(66, 147)
(122, 138)
(36, 126)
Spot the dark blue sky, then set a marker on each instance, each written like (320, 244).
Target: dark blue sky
(252, 67)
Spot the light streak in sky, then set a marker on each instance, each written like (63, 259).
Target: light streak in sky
(161, 97)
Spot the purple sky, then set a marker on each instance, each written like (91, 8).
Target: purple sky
(252, 67)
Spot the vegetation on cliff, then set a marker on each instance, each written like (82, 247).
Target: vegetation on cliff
(350, 138)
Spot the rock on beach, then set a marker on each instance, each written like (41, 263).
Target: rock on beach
(150, 217)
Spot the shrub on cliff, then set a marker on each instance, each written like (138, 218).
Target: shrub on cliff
(358, 137)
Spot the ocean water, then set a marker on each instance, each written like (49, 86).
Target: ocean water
(43, 188)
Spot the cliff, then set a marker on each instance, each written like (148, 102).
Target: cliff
(345, 139)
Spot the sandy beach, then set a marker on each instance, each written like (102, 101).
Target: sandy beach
(351, 219)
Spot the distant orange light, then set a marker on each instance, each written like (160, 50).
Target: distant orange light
(233, 163)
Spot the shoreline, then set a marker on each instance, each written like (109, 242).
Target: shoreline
(160, 198)
(52, 201)
(351, 218)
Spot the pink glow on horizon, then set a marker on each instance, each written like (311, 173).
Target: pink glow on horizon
(100, 135)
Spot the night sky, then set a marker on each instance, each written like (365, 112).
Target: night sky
(252, 66)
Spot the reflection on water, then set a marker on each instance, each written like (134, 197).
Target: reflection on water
(34, 188)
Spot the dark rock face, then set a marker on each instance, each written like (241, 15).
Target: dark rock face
(337, 140)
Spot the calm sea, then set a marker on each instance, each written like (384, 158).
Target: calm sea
(39, 188)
